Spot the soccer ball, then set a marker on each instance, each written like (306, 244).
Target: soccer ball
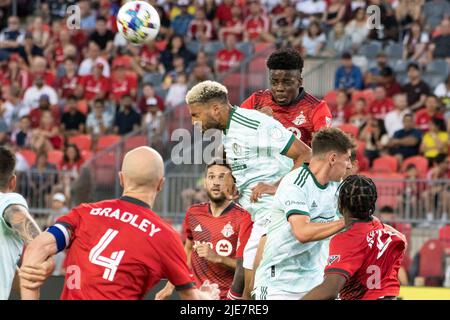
(138, 22)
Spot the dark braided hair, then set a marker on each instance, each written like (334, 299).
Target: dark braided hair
(358, 196)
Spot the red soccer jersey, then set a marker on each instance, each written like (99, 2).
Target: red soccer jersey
(254, 26)
(423, 118)
(119, 250)
(303, 117)
(368, 255)
(68, 85)
(226, 234)
(121, 87)
(379, 108)
(93, 86)
(227, 59)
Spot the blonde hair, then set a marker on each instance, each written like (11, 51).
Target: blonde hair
(206, 91)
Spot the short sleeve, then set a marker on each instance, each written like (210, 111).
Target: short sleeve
(9, 199)
(174, 263)
(345, 256)
(273, 135)
(321, 117)
(245, 229)
(249, 103)
(186, 227)
(71, 219)
(292, 199)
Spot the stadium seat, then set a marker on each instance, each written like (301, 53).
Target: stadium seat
(389, 187)
(330, 98)
(83, 107)
(350, 129)
(367, 95)
(257, 65)
(55, 157)
(135, 141)
(400, 65)
(370, 50)
(107, 141)
(87, 155)
(438, 66)
(394, 51)
(385, 164)
(246, 48)
(193, 46)
(420, 162)
(104, 168)
(256, 81)
(444, 233)
(211, 48)
(433, 79)
(29, 156)
(261, 46)
(82, 141)
(431, 262)
(233, 82)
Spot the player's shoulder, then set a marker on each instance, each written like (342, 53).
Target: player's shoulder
(198, 208)
(250, 118)
(258, 99)
(239, 210)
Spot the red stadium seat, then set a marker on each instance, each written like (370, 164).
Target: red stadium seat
(261, 46)
(233, 83)
(29, 156)
(330, 98)
(82, 141)
(83, 107)
(55, 157)
(367, 95)
(444, 233)
(104, 169)
(258, 65)
(385, 164)
(389, 187)
(107, 141)
(350, 129)
(420, 162)
(135, 141)
(431, 262)
(86, 154)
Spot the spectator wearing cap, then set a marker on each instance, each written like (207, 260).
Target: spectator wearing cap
(431, 110)
(99, 121)
(88, 17)
(44, 105)
(58, 208)
(127, 119)
(440, 45)
(148, 92)
(93, 58)
(348, 76)
(233, 25)
(229, 57)
(433, 12)
(34, 93)
(123, 83)
(200, 28)
(102, 36)
(416, 89)
(180, 24)
(435, 141)
(406, 142)
(381, 105)
(11, 38)
(95, 85)
(372, 78)
(68, 84)
(257, 24)
(394, 119)
(73, 121)
(388, 81)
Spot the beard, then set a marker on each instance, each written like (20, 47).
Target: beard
(218, 200)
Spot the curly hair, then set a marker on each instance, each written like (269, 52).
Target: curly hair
(358, 196)
(285, 59)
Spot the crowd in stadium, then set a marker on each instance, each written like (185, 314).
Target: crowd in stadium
(64, 90)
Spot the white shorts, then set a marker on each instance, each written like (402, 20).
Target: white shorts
(265, 293)
(259, 229)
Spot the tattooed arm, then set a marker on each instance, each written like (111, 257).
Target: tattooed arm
(20, 220)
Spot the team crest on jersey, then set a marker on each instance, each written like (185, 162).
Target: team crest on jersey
(301, 119)
(236, 149)
(333, 258)
(228, 231)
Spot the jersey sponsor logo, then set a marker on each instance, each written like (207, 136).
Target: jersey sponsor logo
(296, 131)
(301, 119)
(333, 258)
(228, 231)
(198, 228)
(292, 202)
(224, 248)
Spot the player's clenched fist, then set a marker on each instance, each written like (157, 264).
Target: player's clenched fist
(205, 251)
(33, 276)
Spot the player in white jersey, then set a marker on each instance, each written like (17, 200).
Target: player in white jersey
(17, 227)
(304, 215)
(258, 149)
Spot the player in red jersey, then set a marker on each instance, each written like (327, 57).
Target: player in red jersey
(216, 234)
(363, 260)
(117, 249)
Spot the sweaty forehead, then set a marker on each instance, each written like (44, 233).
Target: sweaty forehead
(218, 169)
(284, 74)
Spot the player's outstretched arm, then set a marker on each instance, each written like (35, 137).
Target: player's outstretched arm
(328, 289)
(306, 231)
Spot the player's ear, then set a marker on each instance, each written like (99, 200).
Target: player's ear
(160, 184)
(13, 182)
(121, 179)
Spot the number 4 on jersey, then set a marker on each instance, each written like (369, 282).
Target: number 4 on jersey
(112, 263)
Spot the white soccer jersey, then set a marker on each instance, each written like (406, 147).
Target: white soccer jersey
(11, 245)
(289, 265)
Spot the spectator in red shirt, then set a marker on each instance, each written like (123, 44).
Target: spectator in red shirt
(16, 74)
(47, 137)
(388, 81)
(423, 116)
(382, 104)
(229, 57)
(148, 92)
(257, 24)
(95, 85)
(39, 66)
(200, 28)
(54, 51)
(359, 114)
(122, 84)
(149, 58)
(68, 84)
(233, 26)
(342, 110)
(44, 105)
(223, 13)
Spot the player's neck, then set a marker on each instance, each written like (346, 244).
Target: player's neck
(218, 208)
(319, 171)
(225, 118)
(146, 197)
